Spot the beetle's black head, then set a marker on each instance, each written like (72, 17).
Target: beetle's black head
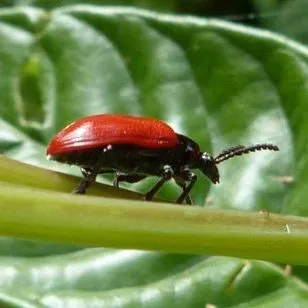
(189, 155)
(207, 165)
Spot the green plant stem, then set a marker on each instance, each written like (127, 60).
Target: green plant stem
(15, 172)
(59, 217)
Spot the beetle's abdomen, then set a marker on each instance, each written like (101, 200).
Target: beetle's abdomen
(118, 158)
(124, 158)
(80, 158)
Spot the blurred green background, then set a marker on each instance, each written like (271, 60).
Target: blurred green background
(283, 16)
(219, 81)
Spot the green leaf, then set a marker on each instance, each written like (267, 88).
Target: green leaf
(161, 5)
(219, 83)
(220, 280)
(291, 20)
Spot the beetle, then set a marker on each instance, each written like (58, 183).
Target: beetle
(135, 147)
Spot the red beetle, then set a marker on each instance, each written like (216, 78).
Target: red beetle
(136, 147)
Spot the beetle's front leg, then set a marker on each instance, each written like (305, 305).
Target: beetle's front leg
(181, 183)
(186, 176)
(167, 174)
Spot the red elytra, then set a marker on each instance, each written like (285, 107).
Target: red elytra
(100, 130)
(136, 147)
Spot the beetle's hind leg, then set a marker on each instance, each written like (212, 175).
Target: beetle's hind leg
(95, 158)
(89, 178)
(127, 177)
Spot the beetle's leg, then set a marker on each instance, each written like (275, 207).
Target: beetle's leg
(85, 171)
(91, 173)
(190, 177)
(180, 182)
(89, 178)
(127, 177)
(167, 175)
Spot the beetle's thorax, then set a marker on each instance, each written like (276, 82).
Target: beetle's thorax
(187, 152)
(193, 158)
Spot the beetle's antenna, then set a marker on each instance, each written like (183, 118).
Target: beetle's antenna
(240, 149)
(229, 151)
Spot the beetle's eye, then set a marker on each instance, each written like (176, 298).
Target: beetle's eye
(206, 157)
